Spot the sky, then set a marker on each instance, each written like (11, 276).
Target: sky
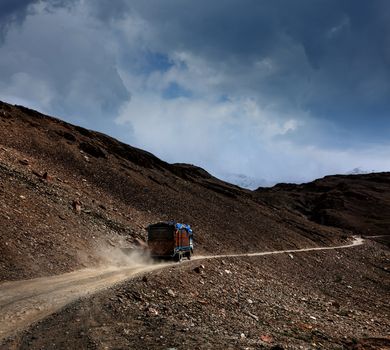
(254, 91)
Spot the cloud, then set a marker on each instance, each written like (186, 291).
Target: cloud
(62, 61)
(237, 137)
(284, 51)
(14, 12)
(11, 12)
(240, 86)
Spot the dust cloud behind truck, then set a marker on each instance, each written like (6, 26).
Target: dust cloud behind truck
(170, 240)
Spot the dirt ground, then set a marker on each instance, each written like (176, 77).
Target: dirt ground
(333, 299)
(27, 301)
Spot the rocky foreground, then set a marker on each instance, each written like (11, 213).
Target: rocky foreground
(310, 300)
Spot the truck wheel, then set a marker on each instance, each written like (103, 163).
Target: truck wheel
(189, 255)
(178, 257)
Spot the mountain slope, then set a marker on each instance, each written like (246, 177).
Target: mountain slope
(68, 193)
(360, 203)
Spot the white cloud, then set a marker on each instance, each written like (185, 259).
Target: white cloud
(233, 137)
(31, 88)
(62, 62)
(249, 107)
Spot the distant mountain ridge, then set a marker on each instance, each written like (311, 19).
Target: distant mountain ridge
(245, 181)
(357, 202)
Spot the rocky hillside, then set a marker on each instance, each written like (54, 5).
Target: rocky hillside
(68, 193)
(360, 203)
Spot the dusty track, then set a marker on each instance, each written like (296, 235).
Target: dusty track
(357, 241)
(25, 302)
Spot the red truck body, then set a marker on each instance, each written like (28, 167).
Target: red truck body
(170, 240)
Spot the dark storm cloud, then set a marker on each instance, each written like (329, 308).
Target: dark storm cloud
(266, 85)
(332, 57)
(67, 61)
(12, 11)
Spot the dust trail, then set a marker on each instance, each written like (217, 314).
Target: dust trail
(25, 302)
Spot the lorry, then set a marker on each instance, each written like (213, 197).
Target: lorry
(170, 240)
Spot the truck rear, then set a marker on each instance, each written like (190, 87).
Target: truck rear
(170, 240)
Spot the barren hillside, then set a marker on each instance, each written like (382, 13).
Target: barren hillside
(360, 203)
(72, 198)
(68, 192)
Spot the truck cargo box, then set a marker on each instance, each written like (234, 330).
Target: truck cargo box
(170, 240)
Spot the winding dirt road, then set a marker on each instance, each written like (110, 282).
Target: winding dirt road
(356, 241)
(25, 302)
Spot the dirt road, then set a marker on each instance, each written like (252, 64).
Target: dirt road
(356, 241)
(25, 302)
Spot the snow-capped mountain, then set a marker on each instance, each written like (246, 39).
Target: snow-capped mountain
(245, 181)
